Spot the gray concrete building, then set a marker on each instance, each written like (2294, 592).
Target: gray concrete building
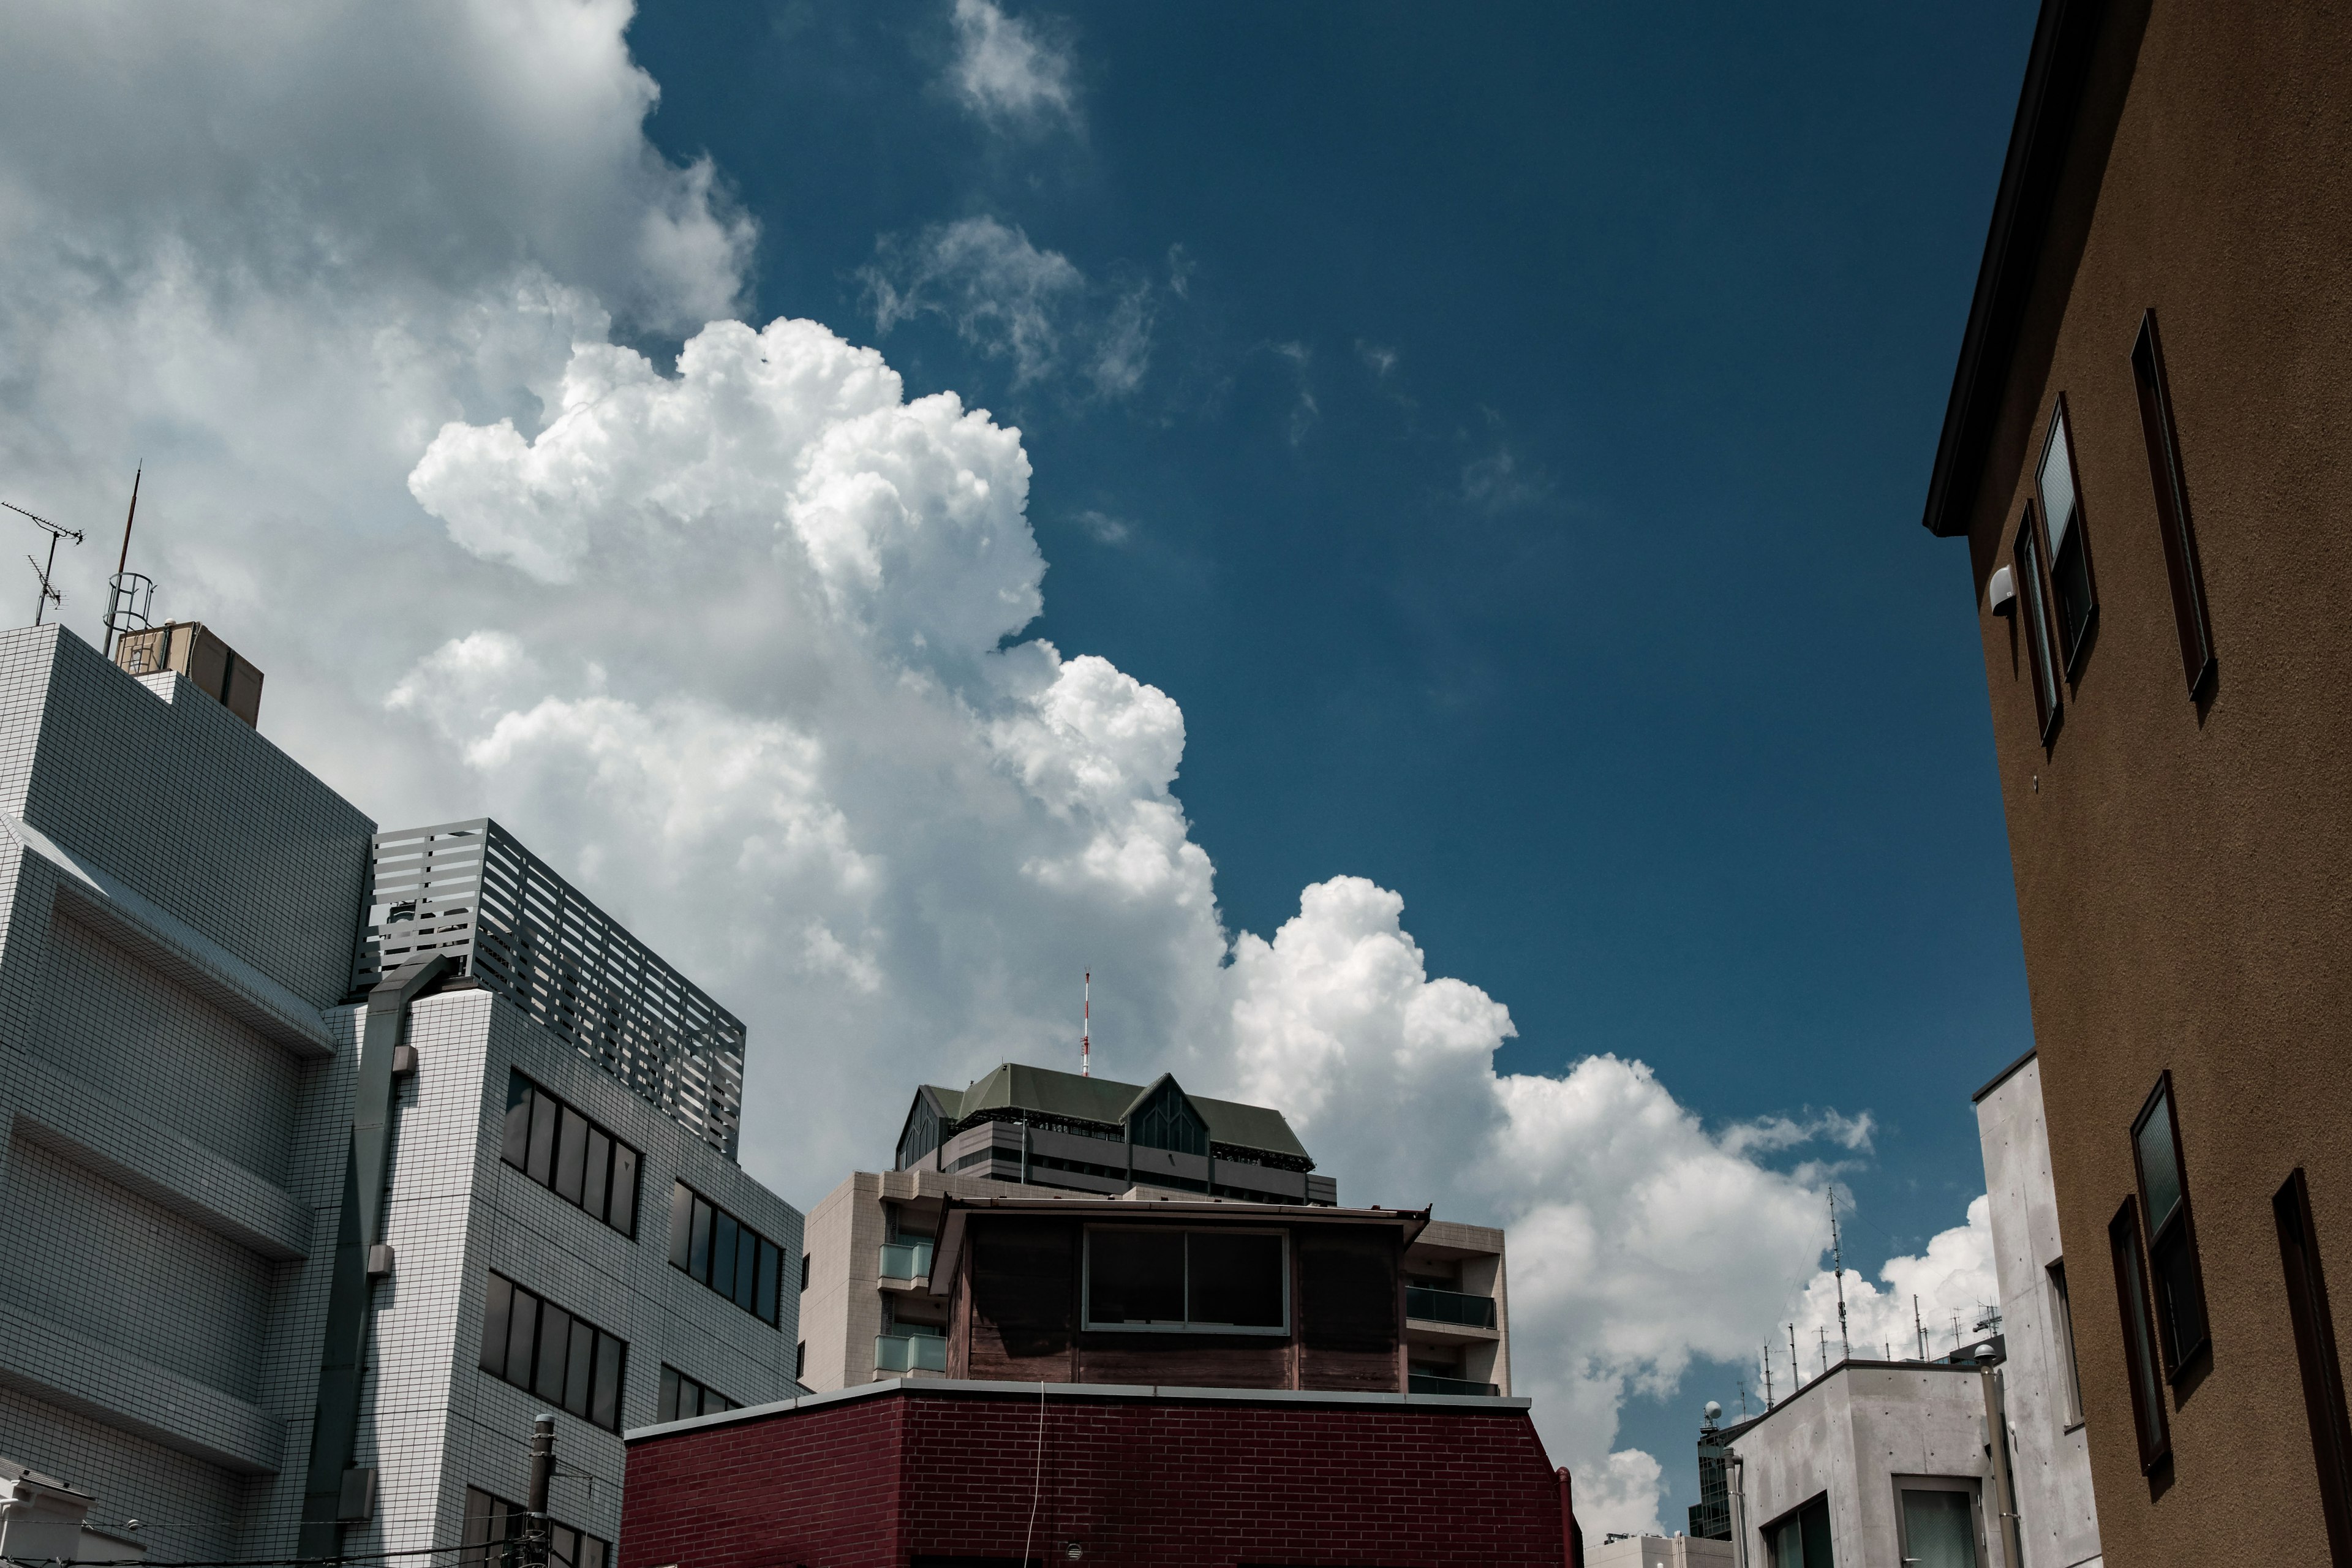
(332, 1156)
(2048, 1447)
(869, 1308)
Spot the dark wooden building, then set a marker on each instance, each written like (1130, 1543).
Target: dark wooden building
(1202, 1295)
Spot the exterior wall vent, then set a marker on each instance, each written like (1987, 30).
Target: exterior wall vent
(210, 665)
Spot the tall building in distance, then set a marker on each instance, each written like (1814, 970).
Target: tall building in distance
(2144, 451)
(873, 1310)
(333, 1157)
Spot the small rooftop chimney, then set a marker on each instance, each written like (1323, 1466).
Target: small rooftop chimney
(209, 663)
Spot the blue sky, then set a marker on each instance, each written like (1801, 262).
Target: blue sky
(1521, 494)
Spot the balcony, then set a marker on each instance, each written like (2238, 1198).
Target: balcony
(1450, 1307)
(905, 1260)
(916, 1353)
(1426, 1383)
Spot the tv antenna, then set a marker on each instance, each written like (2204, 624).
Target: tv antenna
(1086, 1029)
(129, 597)
(1837, 1261)
(50, 594)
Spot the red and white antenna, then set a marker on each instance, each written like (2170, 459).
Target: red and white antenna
(1087, 1030)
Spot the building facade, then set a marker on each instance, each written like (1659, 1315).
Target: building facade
(2143, 450)
(873, 1310)
(208, 1073)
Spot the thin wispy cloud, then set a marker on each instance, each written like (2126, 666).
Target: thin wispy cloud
(1008, 72)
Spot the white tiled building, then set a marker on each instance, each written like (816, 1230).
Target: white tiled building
(186, 939)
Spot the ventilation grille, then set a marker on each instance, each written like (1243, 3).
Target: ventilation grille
(470, 890)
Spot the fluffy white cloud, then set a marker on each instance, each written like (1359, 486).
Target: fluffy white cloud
(1006, 71)
(736, 643)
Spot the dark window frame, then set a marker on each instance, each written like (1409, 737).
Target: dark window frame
(2314, 1352)
(2027, 553)
(2073, 643)
(2151, 1425)
(694, 1225)
(1816, 1507)
(676, 1396)
(2191, 615)
(533, 1147)
(2173, 1260)
(1086, 1283)
(2061, 1313)
(492, 1532)
(601, 1385)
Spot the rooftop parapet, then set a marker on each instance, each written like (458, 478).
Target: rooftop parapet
(471, 891)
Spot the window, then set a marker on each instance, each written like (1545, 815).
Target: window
(1168, 1121)
(2314, 1348)
(2139, 1346)
(2034, 611)
(493, 1537)
(682, 1398)
(1200, 1281)
(563, 1359)
(1937, 1522)
(2071, 594)
(569, 1156)
(724, 1252)
(805, 1270)
(1801, 1538)
(800, 1360)
(2180, 564)
(2171, 1236)
(2061, 1335)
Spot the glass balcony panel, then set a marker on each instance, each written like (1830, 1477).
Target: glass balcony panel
(1424, 1383)
(910, 1353)
(906, 1259)
(1434, 1306)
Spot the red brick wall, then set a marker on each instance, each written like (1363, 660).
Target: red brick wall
(868, 1483)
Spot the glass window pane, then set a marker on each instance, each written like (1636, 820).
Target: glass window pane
(554, 1342)
(517, 1150)
(477, 1534)
(580, 1369)
(622, 1215)
(563, 1545)
(693, 1394)
(747, 1267)
(1938, 1530)
(599, 1177)
(592, 1553)
(722, 1255)
(500, 1298)
(2182, 1315)
(604, 1407)
(542, 1138)
(1235, 1280)
(522, 1331)
(2159, 1167)
(571, 1154)
(2058, 489)
(699, 1263)
(681, 1226)
(771, 1267)
(1135, 1276)
(667, 1409)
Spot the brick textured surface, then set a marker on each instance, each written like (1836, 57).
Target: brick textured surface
(875, 1482)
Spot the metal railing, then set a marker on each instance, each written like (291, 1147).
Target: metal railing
(910, 1353)
(905, 1260)
(1431, 1305)
(1426, 1383)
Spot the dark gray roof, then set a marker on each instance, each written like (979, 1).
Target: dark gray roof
(1106, 1101)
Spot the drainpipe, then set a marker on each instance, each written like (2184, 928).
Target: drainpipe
(2004, 1487)
(1734, 1475)
(1571, 1540)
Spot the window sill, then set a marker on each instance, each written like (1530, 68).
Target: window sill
(2072, 1427)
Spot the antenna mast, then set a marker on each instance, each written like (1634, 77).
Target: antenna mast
(1768, 1375)
(1087, 1030)
(126, 610)
(1796, 1372)
(1919, 1328)
(1837, 1261)
(48, 595)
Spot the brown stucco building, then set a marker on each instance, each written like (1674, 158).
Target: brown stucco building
(2149, 449)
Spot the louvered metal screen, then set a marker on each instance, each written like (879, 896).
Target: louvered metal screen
(471, 891)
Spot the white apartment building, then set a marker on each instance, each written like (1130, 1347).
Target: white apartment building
(332, 1157)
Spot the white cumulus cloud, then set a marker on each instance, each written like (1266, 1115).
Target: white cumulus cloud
(1006, 71)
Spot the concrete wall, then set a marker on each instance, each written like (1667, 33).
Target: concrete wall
(2184, 870)
(2049, 1453)
(1852, 1434)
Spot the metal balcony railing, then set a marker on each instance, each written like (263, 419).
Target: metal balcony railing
(1424, 1382)
(905, 1260)
(1434, 1306)
(910, 1353)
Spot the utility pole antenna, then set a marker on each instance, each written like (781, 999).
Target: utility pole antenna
(49, 594)
(1087, 1030)
(1919, 1328)
(1837, 1261)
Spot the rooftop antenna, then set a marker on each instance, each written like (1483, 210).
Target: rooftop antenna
(1768, 1375)
(130, 596)
(1837, 1261)
(1087, 1030)
(1796, 1372)
(1824, 1331)
(48, 595)
(1919, 1328)
(1743, 1399)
